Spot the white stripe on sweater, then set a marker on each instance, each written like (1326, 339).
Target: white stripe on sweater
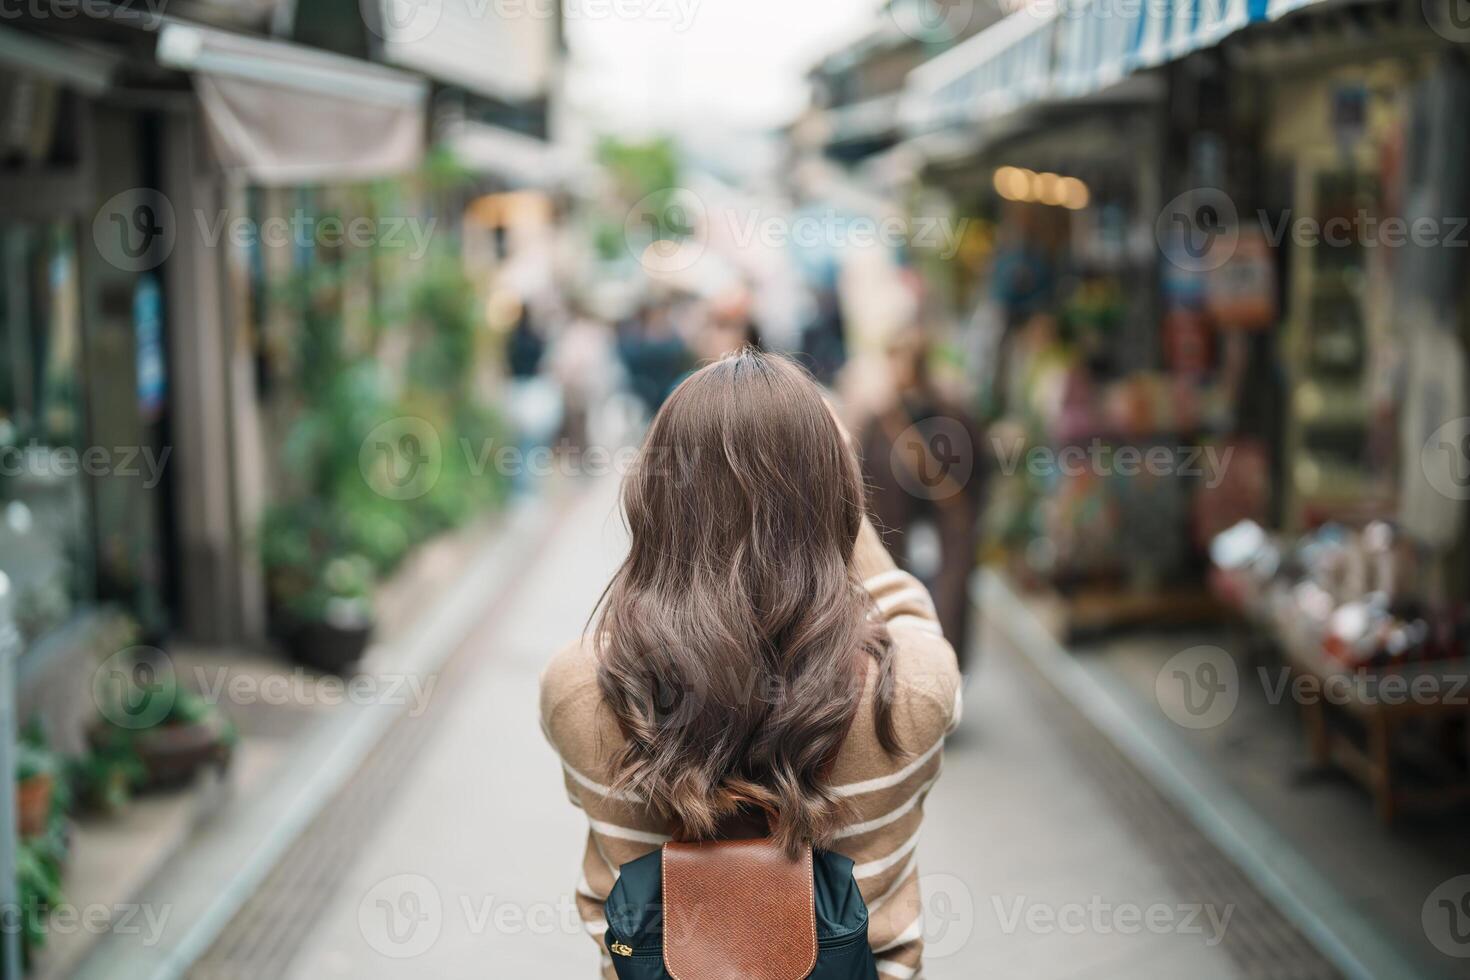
(875, 868)
(628, 833)
(892, 577)
(897, 970)
(892, 779)
(921, 623)
(897, 813)
(606, 861)
(598, 788)
(913, 933)
(849, 789)
(899, 882)
(917, 594)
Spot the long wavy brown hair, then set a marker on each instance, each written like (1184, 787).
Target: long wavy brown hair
(734, 641)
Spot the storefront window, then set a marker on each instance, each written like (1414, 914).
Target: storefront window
(43, 511)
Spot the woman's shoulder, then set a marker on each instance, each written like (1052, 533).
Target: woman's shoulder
(570, 675)
(573, 664)
(925, 669)
(926, 690)
(926, 708)
(571, 702)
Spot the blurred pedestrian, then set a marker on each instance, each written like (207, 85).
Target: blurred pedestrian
(524, 347)
(922, 458)
(583, 363)
(653, 353)
(534, 404)
(824, 339)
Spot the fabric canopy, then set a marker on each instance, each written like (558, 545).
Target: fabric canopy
(1069, 49)
(84, 69)
(1002, 68)
(281, 114)
(505, 50)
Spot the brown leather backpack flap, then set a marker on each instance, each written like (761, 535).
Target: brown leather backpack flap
(738, 910)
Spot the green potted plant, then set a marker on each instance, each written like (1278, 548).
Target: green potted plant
(104, 777)
(320, 590)
(37, 769)
(188, 735)
(41, 857)
(335, 615)
(193, 735)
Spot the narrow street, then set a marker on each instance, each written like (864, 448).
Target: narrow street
(464, 866)
(327, 330)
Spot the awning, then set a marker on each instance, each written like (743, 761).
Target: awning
(1101, 42)
(503, 51)
(1004, 67)
(281, 113)
(1173, 30)
(1096, 50)
(1276, 9)
(85, 69)
(518, 159)
(1070, 49)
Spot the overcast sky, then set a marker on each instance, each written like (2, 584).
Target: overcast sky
(694, 63)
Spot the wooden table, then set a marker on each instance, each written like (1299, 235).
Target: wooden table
(1383, 703)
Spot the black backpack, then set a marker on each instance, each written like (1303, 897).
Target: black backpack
(738, 909)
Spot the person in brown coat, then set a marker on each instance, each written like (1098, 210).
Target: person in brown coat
(922, 462)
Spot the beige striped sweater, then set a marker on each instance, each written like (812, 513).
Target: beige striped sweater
(887, 794)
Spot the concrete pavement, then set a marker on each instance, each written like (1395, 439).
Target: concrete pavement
(469, 867)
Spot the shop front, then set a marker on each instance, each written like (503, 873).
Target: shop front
(1100, 422)
(1228, 397)
(128, 497)
(84, 415)
(1357, 597)
(127, 419)
(1105, 402)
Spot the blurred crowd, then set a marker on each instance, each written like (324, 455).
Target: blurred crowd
(578, 380)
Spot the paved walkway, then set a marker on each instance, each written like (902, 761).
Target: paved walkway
(468, 872)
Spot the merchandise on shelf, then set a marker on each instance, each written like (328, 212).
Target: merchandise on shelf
(1353, 589)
